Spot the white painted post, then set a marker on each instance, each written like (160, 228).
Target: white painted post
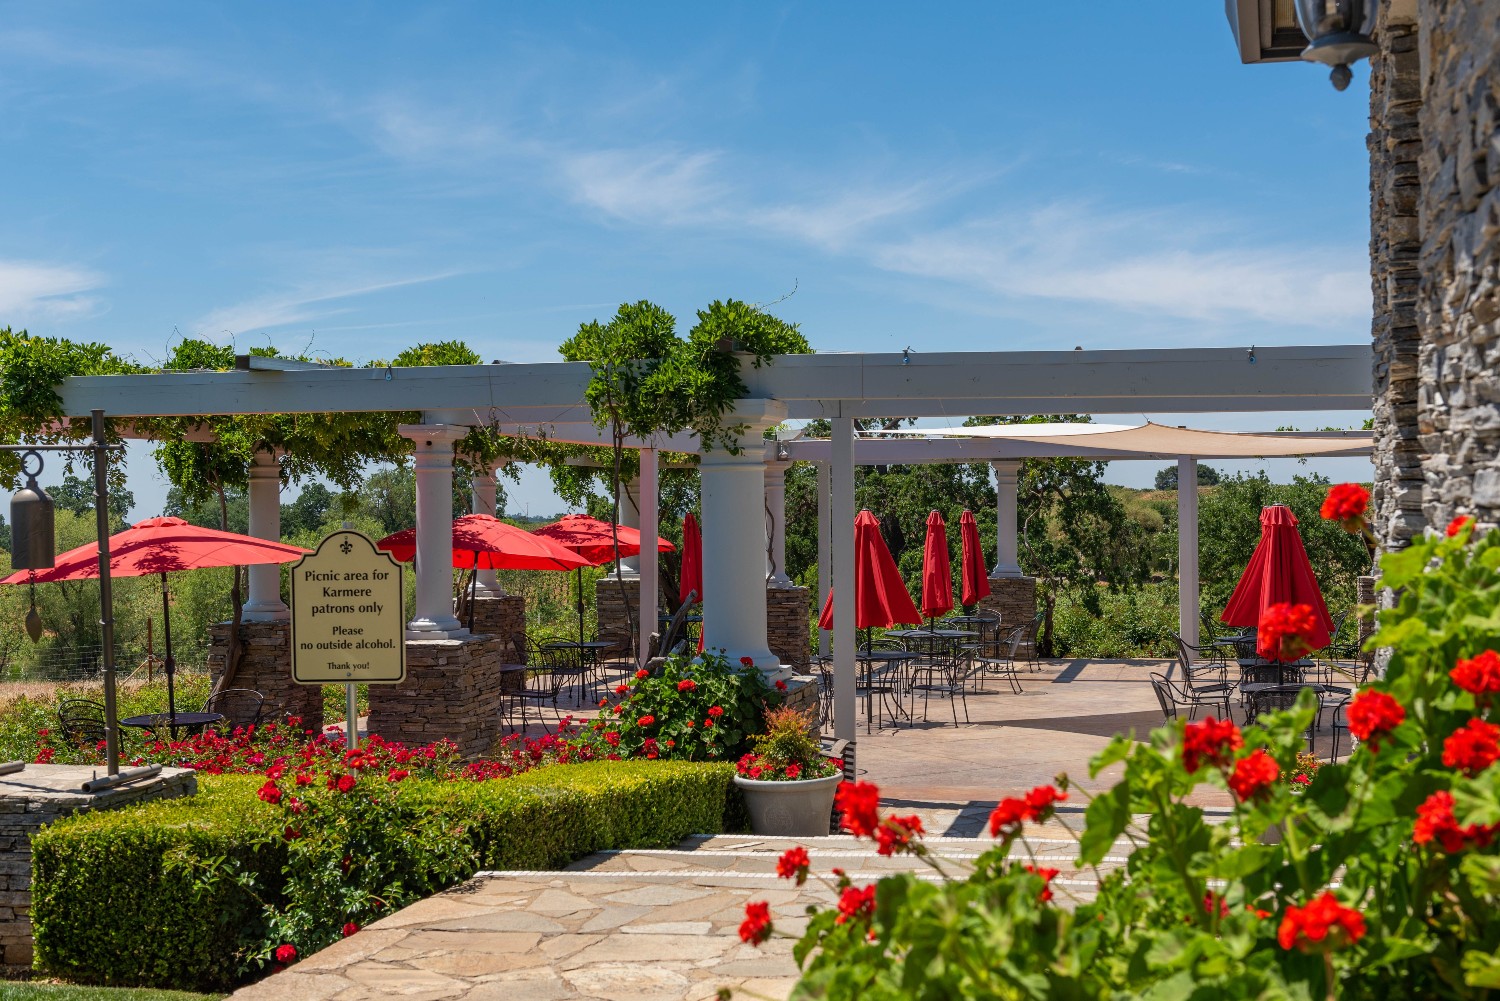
(433, 617)
(1187, 548)
(630, 517)
(776, 575)
(734, 542)
(263, 602)
(842, 516)
(482, 501)
(1007, 549)
(650, 561)
(825, 549)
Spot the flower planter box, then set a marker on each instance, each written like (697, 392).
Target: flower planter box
(799, 809)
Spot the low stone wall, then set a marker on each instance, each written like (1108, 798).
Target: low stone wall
(1014, 598)
(610, 602)
(266, 667)
(503, 616)
(787, 629)
(34, 797)
(453, 689)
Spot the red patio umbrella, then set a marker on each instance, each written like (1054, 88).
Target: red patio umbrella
(976, 582)
(880, 596)
(594, 540)
(162, 546)
(1278, 571)
(692, 560)
(937, 575)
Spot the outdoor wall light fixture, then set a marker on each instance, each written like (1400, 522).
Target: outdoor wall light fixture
(1338, 33)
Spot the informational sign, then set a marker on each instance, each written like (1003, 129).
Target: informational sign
(348, 626)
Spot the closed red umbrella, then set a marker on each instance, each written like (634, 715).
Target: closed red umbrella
(937, 575)
(594, 540)
(1278, 571)
(162, 546)
(484, 542)
(976, 581)
(692, 559)
(880, 595)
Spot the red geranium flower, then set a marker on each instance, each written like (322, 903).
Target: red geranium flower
(346, 783)
(286, 953)
(270, 793)
(780, 685)
(350, 928)
(1040, 802)
(1212, 740)
(1346, 504)
(1037, 805)
(859, 802)
(793, 770)
(396, 774)
(686, 685)
(747, 661)
(642, 674)
(856, 904)
(1253, 774)
(895, 834)
(715, 711)
(1048, 875)
(1436, 822)
(1373, 715)
(621, 689)
(756, 927)
(1321, 926)
(1457, 525)
(646, 720)
(794, 864)
(612, 738)
(1480, 675)
(1284, 630)
(1473, 747)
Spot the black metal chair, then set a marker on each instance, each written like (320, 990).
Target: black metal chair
(541, 686)
(880, 678)
(1002, 663)
(1213, 670)
(1174, 698)
(240, 707)
(81, 722)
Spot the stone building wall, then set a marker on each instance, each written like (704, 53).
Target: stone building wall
(614, 628)
(1014, 598)
(788, 627)
(266, 667)
(454, 689)
(1459, 292)
(503, 616)
(1394, 144)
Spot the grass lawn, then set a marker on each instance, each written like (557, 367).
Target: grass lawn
(21, 991)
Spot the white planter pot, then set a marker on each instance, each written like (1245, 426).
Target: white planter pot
(798, 809)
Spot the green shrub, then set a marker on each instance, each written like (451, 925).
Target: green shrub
(183, 893)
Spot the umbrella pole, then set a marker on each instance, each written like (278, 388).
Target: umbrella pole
(473, 590)
(580, 605)
(168, 663)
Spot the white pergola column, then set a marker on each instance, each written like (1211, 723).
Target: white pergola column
(841, 532)
(263, 602)
(1187, 548)
(734, 542)
(647, 489)
(825, 549)
(1007, 551)
(433, 617)
(775, 480)
(630, 517)
(482, 501)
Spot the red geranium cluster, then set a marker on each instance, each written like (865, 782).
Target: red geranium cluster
(1048, 875)
(1346, 504)
(895, 834)
(859, 804)
(856, 904)
(1036, 806)
(1473, 747)
(794, 864)
(1253, 775)
(1436, 822)
(1373, 716)
(756, 927)
(1322, 925)
(1479, 675)
(1457, 525)
(1212, 740)
(1284, 631)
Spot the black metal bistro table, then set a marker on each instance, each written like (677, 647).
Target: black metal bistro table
(587, 668)
(870, 661)
(191, 722)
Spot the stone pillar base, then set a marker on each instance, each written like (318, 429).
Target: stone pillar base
(610, 603)
(787, 626)
(503, 616)
(266, 667)
(453, 690)
(1014, 598)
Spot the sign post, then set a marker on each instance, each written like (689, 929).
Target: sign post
(348, 624)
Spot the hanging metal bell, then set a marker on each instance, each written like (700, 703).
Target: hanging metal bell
(33, 625)
(32, 538)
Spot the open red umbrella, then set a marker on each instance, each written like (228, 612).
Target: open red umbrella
(937, 575)
(162, 546)
(594, 540)
(692, 560)
(976, 581)
(880, 596)
(484, 542)
(1278, 571)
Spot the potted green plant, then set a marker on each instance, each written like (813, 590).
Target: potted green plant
(787, 783)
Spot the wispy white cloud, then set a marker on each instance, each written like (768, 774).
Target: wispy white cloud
(664, 186)
(301, 304)
(31, 290)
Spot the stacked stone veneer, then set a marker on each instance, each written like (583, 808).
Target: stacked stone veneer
(787, 625)
(1458, 306)
(1014, 598)
(503, 616)
(1395, 145)
(266, 666)
(611, 600)
(34, 797)
(454, 689)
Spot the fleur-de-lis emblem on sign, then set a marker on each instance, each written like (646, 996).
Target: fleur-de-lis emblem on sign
(346, 547)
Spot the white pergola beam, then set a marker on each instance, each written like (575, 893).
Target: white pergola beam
(917, 451)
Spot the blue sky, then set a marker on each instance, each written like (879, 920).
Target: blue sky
(360, 177)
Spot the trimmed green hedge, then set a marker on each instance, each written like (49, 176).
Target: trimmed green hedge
(167, 894)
